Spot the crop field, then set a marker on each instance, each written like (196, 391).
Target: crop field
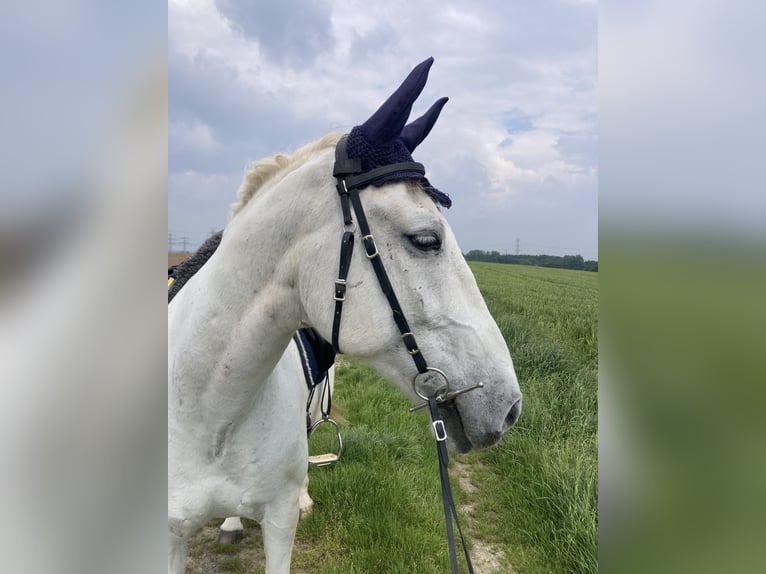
(528, 505)
(176, 257)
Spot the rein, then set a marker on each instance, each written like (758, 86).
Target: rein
(350, 181)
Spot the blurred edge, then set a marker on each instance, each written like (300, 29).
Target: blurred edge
(82, 317)
(682, 370)
(82, 298)
(682, 268)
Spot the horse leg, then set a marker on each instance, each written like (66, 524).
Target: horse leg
(279, 523)
(230, 531)
(304, 501)
(177, 548)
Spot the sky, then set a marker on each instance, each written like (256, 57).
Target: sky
(516, 146)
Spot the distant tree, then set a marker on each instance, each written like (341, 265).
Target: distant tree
(475, 255)
(556, 261)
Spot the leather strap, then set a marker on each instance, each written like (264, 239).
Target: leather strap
(357, 181)
(347, 172)
(346, 250)
(343, 168)
(345, 165)
(371, 250)
(448, 501)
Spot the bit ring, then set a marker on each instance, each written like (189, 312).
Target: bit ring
(438, 372)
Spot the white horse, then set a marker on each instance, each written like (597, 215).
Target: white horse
(232, 529)
(305, 365)
(236, 436)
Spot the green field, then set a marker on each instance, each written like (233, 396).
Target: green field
(527, 505)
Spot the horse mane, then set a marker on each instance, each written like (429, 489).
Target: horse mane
(275, 168)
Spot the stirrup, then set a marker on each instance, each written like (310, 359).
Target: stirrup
(328, 458)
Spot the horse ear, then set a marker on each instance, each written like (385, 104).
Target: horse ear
(386, 124)
(415, 132)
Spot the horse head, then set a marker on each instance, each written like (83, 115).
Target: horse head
(439, 299)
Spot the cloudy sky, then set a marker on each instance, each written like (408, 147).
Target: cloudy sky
(515, 147)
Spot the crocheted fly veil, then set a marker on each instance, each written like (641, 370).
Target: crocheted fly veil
(386, 138)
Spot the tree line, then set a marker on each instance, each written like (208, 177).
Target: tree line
(565, 262)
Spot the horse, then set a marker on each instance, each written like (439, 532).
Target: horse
(316, 376)
(236, 436)
(313, 354)
(232, 529)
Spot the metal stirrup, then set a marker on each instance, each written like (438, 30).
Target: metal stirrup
(327, 458)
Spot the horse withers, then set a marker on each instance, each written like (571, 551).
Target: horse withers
(236, 435)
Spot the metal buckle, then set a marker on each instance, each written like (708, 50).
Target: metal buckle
(413, 348)
(340, 285)
(374, 246)
(440, 433)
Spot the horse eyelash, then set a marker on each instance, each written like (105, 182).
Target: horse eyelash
(426, 242)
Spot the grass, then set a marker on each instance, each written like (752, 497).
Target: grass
(540, 483)
(686, 385)
(379, 509)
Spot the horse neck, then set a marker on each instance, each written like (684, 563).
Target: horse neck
(247, 300)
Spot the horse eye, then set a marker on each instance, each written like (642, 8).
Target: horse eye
(426, 241)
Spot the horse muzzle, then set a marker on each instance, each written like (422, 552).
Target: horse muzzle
(474, 416)
(480, 423)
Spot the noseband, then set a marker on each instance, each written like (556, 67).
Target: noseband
(350, 181)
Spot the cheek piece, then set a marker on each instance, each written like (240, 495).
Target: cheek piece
(374, 154)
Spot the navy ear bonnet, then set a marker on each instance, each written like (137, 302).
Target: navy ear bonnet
(384, 139)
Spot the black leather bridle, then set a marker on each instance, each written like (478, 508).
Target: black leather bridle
(350, 181)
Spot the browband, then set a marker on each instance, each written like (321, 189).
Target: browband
(350, 169)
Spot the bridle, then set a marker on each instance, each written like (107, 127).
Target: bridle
(351, 179)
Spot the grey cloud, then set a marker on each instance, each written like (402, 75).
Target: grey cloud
(198, 203)
(367, 47)
(581, 148)
(516, 120)
(248, 126)
(512, 66)
(545, 217)
(544, 28)
(291, 31)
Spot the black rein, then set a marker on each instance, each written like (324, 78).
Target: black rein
(351, 179)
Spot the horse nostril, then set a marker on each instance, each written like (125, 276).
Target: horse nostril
(513, 415)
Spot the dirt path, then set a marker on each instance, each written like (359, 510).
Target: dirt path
(487, 558)
(207, 557)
